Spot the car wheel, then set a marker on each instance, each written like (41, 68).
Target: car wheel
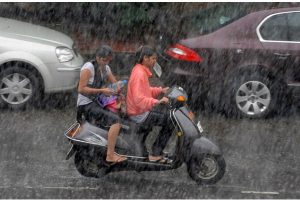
(18, 87)
(253, 95)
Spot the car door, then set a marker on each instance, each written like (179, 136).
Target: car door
(294, 37)
(279, 35)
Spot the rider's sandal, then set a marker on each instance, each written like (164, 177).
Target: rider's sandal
(162, 160)
(119, 160)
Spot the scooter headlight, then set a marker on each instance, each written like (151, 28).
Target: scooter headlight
(181, 98)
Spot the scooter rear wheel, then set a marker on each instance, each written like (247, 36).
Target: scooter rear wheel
(207, 169)
(88, 166)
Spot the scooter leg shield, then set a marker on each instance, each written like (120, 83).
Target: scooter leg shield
(203, 145)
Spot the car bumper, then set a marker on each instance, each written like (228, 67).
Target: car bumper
(65, 76)
(181, 72)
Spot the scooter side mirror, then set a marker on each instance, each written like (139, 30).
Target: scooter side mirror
(157, 70)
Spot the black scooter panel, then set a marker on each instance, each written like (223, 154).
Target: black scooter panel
(186, 125)
(205, 146)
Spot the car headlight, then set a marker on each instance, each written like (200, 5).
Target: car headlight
(64, 54)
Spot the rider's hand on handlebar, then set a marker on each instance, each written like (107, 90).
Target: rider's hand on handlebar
(164, 100)
(165, 90)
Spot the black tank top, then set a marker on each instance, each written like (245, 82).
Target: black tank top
(98, 80)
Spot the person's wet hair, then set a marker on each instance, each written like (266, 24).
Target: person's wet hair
(104, 51)
(144, 51)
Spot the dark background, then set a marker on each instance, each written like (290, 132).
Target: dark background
(124, 25)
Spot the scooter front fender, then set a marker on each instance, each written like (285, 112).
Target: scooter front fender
(203, 145)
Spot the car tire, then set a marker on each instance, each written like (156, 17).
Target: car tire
(19, 87)
(253, 94)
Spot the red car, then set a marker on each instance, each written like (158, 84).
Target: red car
(244, 68)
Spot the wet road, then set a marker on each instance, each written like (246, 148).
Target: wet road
(263, 161)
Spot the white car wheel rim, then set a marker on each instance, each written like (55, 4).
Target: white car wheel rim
(253, 98)
(15, 88)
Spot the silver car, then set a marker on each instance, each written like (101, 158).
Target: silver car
(34, 60)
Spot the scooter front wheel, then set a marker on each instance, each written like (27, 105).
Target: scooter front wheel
(207, 169)
(88, 166)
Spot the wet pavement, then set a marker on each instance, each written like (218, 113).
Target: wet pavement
(262, 156)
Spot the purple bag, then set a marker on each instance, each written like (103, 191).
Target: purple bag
(104, 100)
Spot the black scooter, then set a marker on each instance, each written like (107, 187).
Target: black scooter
(204, 159)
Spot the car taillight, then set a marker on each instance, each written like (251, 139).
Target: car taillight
(181, 52)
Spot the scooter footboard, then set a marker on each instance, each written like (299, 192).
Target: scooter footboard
(203, 145)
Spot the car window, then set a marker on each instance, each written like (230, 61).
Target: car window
(275, 28)
(293, 26)
(205, 21)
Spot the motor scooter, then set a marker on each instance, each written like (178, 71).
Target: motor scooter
(203, 158)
